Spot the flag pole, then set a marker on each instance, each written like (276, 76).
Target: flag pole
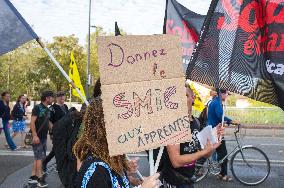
(61, 70)
(161, 150)
(70, 93)
(224, 106)
(151, 161)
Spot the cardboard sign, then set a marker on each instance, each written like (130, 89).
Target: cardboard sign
(143, 92)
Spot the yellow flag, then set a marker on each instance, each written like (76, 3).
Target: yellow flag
(75, 77)
(198, 104)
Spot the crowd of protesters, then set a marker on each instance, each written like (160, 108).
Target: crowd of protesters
(90, 163)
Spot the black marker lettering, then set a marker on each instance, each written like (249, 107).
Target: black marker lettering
(159, 131)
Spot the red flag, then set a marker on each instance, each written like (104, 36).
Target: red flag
(241, 49)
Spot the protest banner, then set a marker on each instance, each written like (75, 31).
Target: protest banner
(143, 92)
(241, 49)
(15, 31)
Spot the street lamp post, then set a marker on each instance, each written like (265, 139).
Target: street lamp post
(89, 54)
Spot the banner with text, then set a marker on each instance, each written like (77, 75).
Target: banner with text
(143, 92)
(241, 48)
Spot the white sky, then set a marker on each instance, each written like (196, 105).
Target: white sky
(51, 18)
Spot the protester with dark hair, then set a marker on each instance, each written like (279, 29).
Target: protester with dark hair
(98, 169)
(97, 89)
(5, 115)
(40, 124)
(28, 102)
(178, 163)
(57, 111)
(19, 117)
(215, 115)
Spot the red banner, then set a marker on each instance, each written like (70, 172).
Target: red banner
(242, 49)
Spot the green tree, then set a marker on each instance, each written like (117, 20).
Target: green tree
(29, 70)
(16, 66)
(47, 74)
(94, 65)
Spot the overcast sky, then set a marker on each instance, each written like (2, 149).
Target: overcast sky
(51, 18)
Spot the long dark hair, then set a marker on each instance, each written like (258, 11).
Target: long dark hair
(19, 98)
(97, 89)
(93, 140)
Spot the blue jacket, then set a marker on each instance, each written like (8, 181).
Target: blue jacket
(215, 112)
(4, 111)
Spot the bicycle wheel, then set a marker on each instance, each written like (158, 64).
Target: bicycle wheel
(250, 166)
(201, 169)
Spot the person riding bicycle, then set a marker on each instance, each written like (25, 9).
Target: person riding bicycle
(215, 114)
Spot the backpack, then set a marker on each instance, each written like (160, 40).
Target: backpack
(64, 137)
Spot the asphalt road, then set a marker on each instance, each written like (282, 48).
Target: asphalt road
(15, 167)
(11, 164)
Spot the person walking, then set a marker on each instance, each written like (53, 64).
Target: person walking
(5, 115)
(57, 111)
(19, 117)
(40, 125)
(215, 115)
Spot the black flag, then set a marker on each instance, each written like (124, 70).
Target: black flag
(185, 23)
(241, 48)
(117, 31)
(14, 30)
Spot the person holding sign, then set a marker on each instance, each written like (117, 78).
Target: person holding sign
(98, 169)
(178, 160)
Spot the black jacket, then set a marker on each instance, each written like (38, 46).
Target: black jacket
(64, 137)
(4, 111)
(56, 112)
(18, 112)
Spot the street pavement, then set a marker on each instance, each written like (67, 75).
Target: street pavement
(15, 167)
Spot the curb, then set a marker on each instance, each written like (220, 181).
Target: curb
(250, 126)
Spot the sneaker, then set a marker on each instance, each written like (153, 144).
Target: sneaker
(17, 149)
(42, 183)
(33, 180)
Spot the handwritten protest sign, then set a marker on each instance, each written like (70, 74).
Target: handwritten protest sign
(143, 92)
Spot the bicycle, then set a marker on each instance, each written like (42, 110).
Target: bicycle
(245, 159)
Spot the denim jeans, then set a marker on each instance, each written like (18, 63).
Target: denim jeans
(9, 139)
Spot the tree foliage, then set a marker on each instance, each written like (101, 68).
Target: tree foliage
(29, 70)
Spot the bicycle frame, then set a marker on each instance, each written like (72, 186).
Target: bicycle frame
(237, 148)
(214, 168)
